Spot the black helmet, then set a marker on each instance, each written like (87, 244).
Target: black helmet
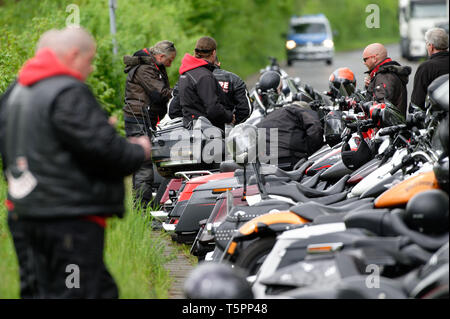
(333, 127)
(443, 134)
(438, 93)
(428, 212)
(342, 82)
(441, 172)
(354, 158)
(217, 281)
(269, 80)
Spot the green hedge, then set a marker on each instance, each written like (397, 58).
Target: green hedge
(246, 31)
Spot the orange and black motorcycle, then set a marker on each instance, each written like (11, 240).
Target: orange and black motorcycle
(255, 239)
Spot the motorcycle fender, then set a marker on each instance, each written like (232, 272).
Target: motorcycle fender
(283, 217)
(260, 225)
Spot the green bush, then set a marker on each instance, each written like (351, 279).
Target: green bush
(246, 32)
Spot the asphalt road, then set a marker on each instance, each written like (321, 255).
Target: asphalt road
(316, 73)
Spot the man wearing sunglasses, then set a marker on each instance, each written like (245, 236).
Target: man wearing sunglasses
(387, 79)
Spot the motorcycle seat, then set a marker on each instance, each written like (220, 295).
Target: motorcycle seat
(229, 166)
(336, 188)
(295, 175)
(312, 210)
(311, 181)
(291, 191)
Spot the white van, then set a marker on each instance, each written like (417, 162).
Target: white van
(415, 18)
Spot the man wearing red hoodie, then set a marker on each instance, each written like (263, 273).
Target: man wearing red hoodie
(200, 93)
(65, 165)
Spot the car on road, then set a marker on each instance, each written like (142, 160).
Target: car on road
(309, 38)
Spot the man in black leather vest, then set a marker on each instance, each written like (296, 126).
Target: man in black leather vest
(65, 165)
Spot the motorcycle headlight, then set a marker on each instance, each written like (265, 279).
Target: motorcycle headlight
(290, 44)
(328, 43)
(242, 143)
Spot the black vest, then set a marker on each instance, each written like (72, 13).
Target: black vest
(44, 178)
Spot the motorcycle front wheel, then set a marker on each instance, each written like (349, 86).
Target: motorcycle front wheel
(251, 259)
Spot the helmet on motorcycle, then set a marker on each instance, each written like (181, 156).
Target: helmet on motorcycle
(333, 127)
(443, 134)
(440, 170)
(356, 156)
(438, 93)
(270, 80)
(342, 82)
(217, 281)
(428, 212)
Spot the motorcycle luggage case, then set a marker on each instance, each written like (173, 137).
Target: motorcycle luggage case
(173, 149)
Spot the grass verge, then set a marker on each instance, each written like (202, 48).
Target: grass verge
(134, 257)
(9, 271)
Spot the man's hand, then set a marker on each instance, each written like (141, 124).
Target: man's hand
(233, 121)
(144, 142)
(367, 81)
(112, 120)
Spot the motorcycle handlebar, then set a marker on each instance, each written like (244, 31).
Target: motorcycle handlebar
(362, 123)
(391, 130)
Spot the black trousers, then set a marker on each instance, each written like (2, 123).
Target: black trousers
(143, 177)
(61, 259)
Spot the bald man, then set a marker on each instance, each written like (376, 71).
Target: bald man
(387, 79)
(64, 164)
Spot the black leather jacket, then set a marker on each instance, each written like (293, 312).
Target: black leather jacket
(56, 135)
(200, 93)
(389, 83)
(300, 132)
(235, 92)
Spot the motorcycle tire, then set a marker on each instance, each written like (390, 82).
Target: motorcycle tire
(251, 259)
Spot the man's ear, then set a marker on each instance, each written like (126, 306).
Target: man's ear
(158, 57)
(70, 56)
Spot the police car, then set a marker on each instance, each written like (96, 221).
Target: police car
(310, 38)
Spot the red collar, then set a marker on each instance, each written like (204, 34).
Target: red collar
(43, 65)
(146, 51)
(375, 70)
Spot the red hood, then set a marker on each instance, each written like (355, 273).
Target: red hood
(375, 70)
(43, 65)
(189, 62)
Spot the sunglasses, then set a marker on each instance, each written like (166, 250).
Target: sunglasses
(370, 56)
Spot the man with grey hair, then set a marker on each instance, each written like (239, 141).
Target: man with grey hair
(65, 165)
(436, 40)
(147, 91)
